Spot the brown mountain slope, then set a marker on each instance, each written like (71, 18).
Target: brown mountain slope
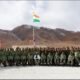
(24, 35)
(7, 37)
(42, 35)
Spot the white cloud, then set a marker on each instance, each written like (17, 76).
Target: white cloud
(12, 13)
(53, 14)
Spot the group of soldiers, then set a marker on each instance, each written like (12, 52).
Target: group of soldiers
(40, 56)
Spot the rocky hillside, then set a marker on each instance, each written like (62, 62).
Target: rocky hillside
(23, 35)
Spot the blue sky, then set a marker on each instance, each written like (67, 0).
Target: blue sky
(53, 14)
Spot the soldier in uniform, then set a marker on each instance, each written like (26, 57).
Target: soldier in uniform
(30, 58)
(0, 57)
(56, 58)
(62, 59)
(10, 59)
(77, 56)
(4, 59)
(43, 59)
(71, 59)
(17, 59)
(37, 58)
(23, 57)
(49, 59)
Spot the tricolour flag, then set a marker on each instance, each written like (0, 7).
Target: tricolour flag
(36, 18)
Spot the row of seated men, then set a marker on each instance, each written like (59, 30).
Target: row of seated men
(40, 56)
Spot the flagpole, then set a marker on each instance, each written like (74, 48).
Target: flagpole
(0, 44)
(36, 19)
(33, 37)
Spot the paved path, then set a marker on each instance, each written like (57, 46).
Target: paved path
(40, 72)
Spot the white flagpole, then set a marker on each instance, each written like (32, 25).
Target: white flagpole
(33, 37)
(0, 44)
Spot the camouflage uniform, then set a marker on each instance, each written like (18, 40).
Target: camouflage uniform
(30, 58)
(56, 58)
(4, 59)
(49, 58)
(71, 59)
(0, 57)
(43, 58)
(62, 59)
(10, 59)
(17, 59)
(77, 55)
(23, 59)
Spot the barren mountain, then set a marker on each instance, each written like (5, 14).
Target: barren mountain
(24, 35)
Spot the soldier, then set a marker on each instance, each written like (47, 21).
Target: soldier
(10, 59)
(49, 58)
(23, 57)
(67, 52)
(30, 58)
(43, 59)
(37, 58)
(71, 58)
(62, 59)
(56, 58)
(17, 59)
(0, 57)
(77, 56)
(4, 59)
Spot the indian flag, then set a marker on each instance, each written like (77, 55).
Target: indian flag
(36, 17)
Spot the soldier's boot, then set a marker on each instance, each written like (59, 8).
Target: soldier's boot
(41, 62)
(28, 62)
(18, 63)
(32, 62)
(55, 61)
(58, 63)
(36, 62)
(0, 62)
(24, 63)
(50, 62)
(4, 64)
(9, 62)
(72, 63)
(47, 62)
(44, 62)
(69, 63)
(76, 62)
(62, 62)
